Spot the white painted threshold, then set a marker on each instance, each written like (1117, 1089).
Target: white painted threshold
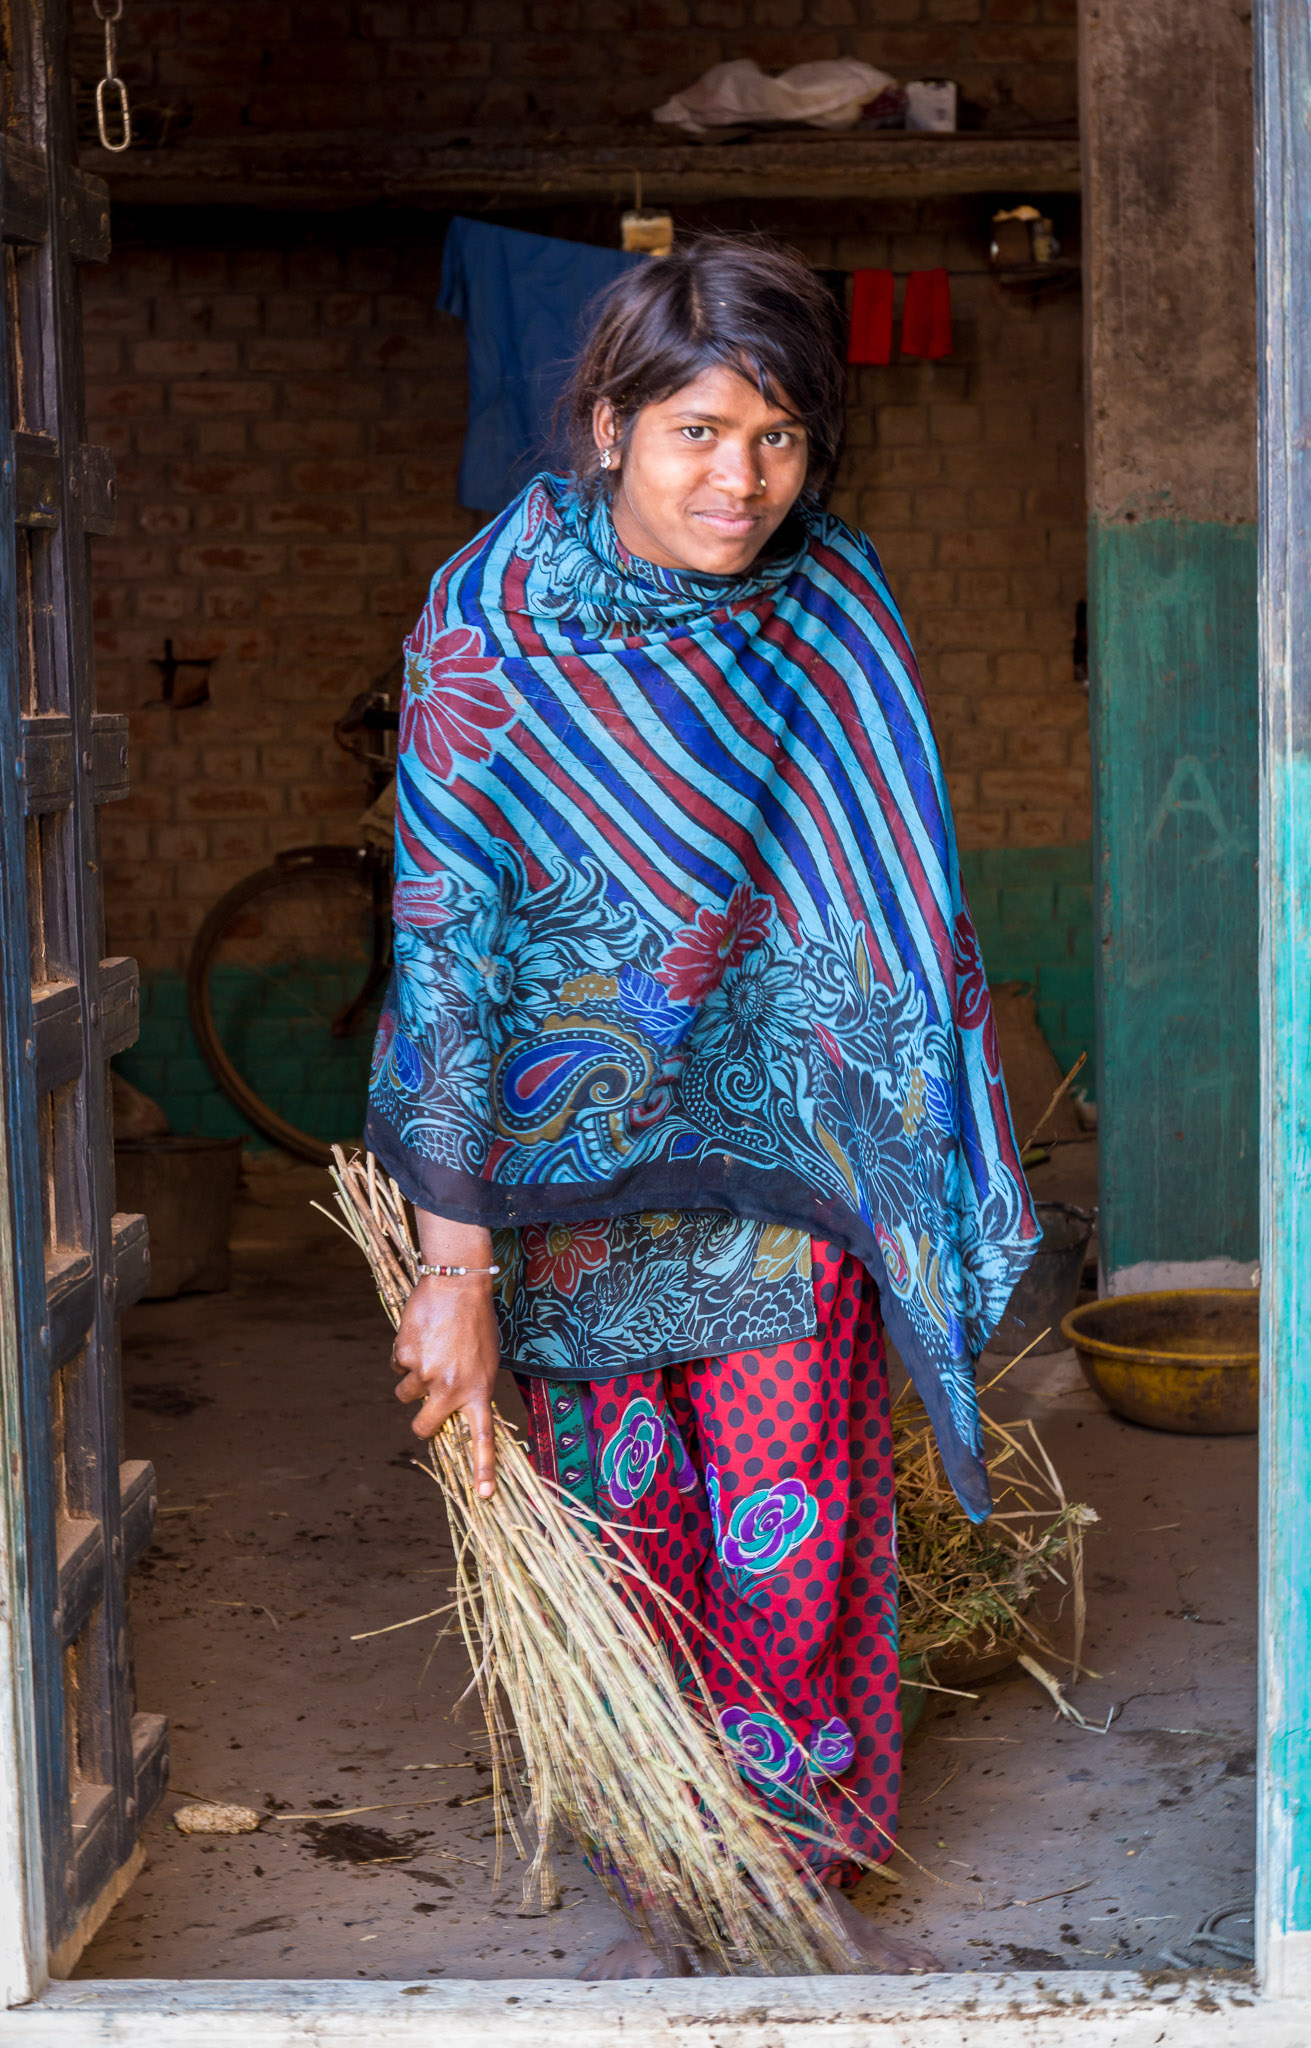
(1089, 2008)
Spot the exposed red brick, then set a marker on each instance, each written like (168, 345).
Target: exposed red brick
(1025, 45)
(228, 601)
(227, 396)
(307, 437)
(185, 358)
(123, 401)
(286, 600)
(1009, 786)
(328, 515)
(221, 479)
(231, 560)
(294, 355)
(460, 57)
(225, 517)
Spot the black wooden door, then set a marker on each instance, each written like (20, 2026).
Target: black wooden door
(64, 1010)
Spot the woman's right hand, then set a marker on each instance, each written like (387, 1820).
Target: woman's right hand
(447, 1351)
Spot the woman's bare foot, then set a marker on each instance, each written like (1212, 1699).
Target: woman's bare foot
(627, 1957)
(878, 1951)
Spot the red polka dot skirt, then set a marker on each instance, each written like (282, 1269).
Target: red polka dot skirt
(758, 1490)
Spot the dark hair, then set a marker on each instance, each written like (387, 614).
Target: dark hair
(740, 301)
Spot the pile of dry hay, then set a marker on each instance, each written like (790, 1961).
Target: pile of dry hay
(965, 1587)
(566, 1666)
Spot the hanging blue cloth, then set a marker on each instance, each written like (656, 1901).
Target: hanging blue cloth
(524, 300)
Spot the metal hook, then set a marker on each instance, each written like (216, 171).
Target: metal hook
(124, 112)
(111, 82)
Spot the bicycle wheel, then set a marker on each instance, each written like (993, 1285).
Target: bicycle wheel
(286, 980)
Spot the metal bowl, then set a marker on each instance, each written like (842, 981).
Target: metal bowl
(1186, 1361)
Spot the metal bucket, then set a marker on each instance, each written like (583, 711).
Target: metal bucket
(1049, 1289)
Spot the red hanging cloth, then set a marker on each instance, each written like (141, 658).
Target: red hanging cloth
(871, 317)
(926, 315)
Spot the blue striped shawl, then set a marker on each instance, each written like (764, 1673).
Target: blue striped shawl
(679, 923)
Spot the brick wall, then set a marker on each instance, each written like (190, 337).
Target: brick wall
(218, 68)
(968, 475)
(286, 409)
(286, 421)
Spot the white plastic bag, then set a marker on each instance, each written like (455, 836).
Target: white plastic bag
(826, 94)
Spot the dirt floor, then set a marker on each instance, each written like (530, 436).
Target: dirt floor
(292, 1520)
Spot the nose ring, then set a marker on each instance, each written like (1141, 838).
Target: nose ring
(763, 485)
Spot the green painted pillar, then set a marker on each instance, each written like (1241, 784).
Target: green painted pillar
(1172, 600)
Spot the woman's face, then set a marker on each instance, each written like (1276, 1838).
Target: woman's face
(707, 475)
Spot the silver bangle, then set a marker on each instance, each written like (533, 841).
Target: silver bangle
(453, 1272)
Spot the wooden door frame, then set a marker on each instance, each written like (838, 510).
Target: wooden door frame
(22, 1891)
(940, 2012)
(1283, 249)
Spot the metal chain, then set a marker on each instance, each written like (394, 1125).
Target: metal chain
(110, 12)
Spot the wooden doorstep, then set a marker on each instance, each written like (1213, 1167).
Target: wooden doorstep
(1018, 2010)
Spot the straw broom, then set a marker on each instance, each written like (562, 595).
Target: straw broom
(566, 1660)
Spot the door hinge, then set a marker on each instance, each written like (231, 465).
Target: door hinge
(57, 1031)
(99, 490)
(138, 1499)
(120, 1006)
(131, 1254)
(70, 1303)
(81, 1574)
(45, 767)
(109, 762)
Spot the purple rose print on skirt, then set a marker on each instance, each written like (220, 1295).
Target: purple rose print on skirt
(712, 1495)
(764, 1748)
(832, 1746)
(768, 1526)
(685, 1478)
(631, 1456)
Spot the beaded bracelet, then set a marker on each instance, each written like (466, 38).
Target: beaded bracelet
(453, 1272)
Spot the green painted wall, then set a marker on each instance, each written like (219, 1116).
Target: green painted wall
(1172, 608)
(274, 1032)
(165, 1062)
(1032, 905)
(1033, 910)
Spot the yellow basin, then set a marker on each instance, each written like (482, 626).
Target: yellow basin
(1185, 1361)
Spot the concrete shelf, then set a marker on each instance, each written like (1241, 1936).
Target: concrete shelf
(490, 173)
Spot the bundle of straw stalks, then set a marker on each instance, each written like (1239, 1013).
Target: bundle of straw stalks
(967, 1588)
(567, 1661)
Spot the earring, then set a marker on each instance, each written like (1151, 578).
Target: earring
(605, 458)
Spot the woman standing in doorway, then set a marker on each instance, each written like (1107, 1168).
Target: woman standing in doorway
(689, 1035)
